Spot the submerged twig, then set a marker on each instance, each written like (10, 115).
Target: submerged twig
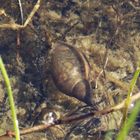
(123, 85)
(21, 10)
(71, 119)
(15, 26)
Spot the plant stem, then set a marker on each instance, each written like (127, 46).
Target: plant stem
(11, 100)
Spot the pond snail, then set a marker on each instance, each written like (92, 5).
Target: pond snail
(70, 72)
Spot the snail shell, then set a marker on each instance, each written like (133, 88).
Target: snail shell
(70, 72)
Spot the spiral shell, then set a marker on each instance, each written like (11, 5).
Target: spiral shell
(70, 72)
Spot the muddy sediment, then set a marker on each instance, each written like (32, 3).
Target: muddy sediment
(101, 30)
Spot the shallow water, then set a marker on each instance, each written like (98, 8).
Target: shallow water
(87, 25)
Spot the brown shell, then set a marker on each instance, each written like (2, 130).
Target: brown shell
(70, 72)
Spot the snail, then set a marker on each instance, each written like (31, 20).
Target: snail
(70, 72)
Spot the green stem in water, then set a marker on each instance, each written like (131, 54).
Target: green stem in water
(11, 100)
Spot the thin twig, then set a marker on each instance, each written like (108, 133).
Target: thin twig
(71, 119)
(103, 70)
(15, 26)
(123, 85)
(36, 7)
(21, 10)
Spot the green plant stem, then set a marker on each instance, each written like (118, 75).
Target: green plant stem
(128, 99)
(11, 100)
(128, 123)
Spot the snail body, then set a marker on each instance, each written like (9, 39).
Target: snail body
(70, 72)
